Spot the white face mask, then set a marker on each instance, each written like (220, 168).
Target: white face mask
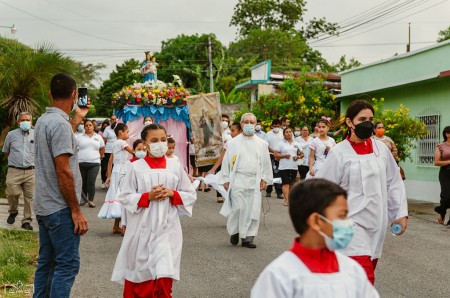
(140, 154)
(276, 130)
(258, 127)
(158, 149)
(148, 122)
(224, 124)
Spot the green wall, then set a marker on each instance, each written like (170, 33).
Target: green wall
(431, 94)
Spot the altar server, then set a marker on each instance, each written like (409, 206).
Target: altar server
(155, 191)
(376, 194)
(311, 268)
(246, 170)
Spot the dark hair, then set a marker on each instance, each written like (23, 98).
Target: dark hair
(88, 120)
(237, 125)
(376, 124)
(324, 121)
(119, 127)
(284, 130)
(146, 118)
(284, 119)
(152, 126)
(136, 143)
(446, 131)
(303, 126)
(226, 116)
(276, 122)
(311, 196)
(62, 85)
(170, 140)
(354, 108)
(313, 124)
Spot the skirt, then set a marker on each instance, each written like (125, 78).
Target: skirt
(112, 208)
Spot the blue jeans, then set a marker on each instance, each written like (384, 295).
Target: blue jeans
(59, 257)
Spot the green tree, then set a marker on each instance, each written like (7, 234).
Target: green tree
(187, 57)
(288, 50)
(284, 15)
(122, 76)
(25, 74)
(302, 100)
(343, 64)
(403, 129)
(444, 35)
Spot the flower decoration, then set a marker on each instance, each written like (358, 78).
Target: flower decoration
(152, 93)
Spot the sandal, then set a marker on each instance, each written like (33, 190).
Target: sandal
(285, 204)
(117, 231)
(441, 213)
(220, 200)
(91, 204)
(207, 189)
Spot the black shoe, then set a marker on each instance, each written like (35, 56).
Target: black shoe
(268, 194)
(280, 196)
(441, 211)
(12, 218)
(248, 244)
(27, 226)
(234, 239)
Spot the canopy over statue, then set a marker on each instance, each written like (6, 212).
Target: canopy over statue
(148, 69)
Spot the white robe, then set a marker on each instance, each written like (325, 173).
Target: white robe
(245, 164)
(287, 276)
(376, 193)
(151, 248)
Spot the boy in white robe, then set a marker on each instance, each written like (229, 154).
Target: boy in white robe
(311, 268)
(246, 170)
(155, 191)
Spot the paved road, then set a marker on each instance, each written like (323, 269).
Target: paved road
(413, 265)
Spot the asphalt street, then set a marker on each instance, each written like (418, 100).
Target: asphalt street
(412, 265)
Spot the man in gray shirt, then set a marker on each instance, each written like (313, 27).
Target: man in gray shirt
(56, 204)
(19, 150)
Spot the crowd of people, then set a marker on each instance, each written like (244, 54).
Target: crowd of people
(352, 191)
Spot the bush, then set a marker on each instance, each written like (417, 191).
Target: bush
(400, 127)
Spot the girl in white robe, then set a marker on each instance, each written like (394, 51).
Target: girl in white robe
(116, 166)
(311, 268)
(156, 191)
(319, 148)
(376, 193)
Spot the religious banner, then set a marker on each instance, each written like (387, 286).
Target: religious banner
(205, 116)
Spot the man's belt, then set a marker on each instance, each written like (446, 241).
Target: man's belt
(18, 168)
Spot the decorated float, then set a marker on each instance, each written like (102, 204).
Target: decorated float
(165, 103)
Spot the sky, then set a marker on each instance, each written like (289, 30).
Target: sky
(109, 32)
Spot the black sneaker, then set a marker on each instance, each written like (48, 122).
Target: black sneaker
(268, 194)
(248, 244)
(12, 218)
(27, 226)
(280, 196)
(234, 239)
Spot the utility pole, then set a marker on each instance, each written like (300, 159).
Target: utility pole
(211, 76)
(408, 46)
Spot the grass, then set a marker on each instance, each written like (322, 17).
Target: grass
(18, 257)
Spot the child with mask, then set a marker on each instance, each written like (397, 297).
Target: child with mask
(155, 191)
(312, 267)
(140, 151)
(116, 167)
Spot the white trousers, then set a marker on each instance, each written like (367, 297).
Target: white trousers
(239, 220)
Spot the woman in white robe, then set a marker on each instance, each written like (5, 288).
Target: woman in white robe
(366, 169)
(155, 191)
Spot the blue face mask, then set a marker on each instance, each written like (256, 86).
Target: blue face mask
(140, 154)
(296, 133)
(342, 233)
(249, 129)
(25, 125)
(80, 127)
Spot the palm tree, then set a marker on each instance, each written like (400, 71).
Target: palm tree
(25, 74)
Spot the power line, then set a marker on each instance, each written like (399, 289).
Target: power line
(67, 28)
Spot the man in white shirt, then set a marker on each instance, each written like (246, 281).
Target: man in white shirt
(259, 133)
(274, 137)
(109, 137)
(245, 173)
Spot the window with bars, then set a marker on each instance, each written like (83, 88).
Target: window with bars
(427, 145)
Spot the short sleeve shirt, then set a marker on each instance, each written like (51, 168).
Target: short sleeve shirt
(293, 149)
(53, 137)
(110, 137)
(20, 148)
(88, 148)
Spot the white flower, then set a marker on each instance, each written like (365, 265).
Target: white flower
(176, 78)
